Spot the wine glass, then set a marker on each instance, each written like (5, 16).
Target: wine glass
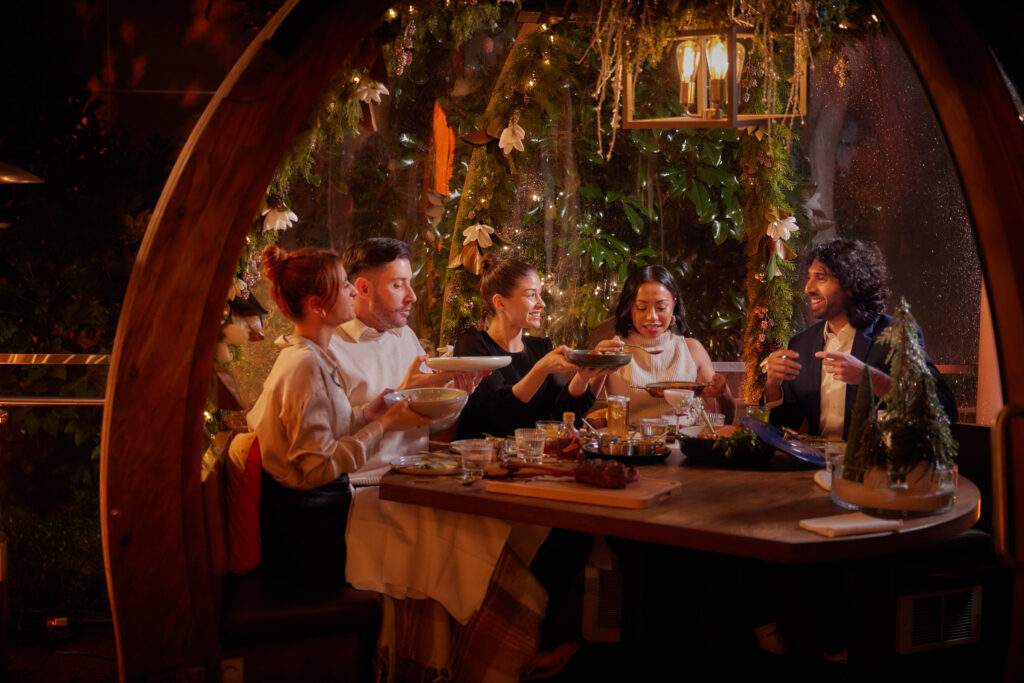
(680, 400)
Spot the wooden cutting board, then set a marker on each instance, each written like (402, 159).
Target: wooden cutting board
(638, 494)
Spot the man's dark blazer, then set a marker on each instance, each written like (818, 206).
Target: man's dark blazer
(802, 396)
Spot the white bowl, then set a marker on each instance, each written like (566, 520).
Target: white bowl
(441, 404)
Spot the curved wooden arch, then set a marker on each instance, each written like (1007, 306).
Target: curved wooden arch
(154, 543)
(153, 537)
(986, 140)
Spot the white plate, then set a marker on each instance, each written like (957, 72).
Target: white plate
(468, 363)
(425, 465)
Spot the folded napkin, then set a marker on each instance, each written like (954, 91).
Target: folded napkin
(821, 478)
(851, 523)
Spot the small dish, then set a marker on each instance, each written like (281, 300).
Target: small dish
(468, 363)
(425, 465)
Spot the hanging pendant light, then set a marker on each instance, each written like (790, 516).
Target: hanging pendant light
(709, 66)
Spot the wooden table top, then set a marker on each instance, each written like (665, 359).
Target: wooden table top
(749, 513)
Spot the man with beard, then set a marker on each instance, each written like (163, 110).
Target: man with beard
(377, 350)
(812, 385)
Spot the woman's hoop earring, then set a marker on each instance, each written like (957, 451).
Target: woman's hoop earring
(323, 313)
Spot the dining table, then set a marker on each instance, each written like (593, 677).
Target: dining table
(752, 513)
(714, 512)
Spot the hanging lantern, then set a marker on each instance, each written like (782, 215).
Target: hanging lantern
(709, 66)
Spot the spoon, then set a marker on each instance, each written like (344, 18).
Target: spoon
(649, 352)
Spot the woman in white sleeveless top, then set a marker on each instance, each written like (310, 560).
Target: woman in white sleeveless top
(650, 314)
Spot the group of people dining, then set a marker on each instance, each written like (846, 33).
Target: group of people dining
(322, 419)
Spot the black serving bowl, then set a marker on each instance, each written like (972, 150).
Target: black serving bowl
(703, 450)
(598, 359)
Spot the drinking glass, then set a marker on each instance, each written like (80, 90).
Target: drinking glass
(530, 444)
(618, 415)
(832, 450)
(476, 454)
(758, 412)
(653, 427)
(680, 400)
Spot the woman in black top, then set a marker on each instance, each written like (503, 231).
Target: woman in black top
(530, 388)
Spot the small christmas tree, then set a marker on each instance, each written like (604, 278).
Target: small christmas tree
(915, 421)
(865, 448)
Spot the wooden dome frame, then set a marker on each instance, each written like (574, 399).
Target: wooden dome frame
(155, 547)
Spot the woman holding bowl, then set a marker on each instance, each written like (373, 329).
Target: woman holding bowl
(302, 419)
(650, 315)
(530, 388)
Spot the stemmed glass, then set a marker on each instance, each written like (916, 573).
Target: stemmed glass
(680, 400)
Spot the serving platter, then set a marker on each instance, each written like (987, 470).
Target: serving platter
(468, 363)
(793, 445)
(426, 465)
(593, 450)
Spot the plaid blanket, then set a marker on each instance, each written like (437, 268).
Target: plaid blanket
(420, 643)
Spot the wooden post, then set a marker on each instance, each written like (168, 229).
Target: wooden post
(154, 541)
(977, 114)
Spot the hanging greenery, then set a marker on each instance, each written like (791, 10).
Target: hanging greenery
(685, 198)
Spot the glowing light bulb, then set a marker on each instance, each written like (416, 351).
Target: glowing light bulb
(687, 59)
(718, 58)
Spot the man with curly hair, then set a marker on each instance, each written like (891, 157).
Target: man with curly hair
(812, 384)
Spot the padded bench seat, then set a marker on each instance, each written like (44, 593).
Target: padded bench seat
(274, 629)
(259, 607)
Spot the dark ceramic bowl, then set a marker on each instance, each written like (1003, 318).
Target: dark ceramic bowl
(598, 359)
(703, 450)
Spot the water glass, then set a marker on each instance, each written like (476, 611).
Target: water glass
(653, 428)
(476, 454)
(530, 444)
(717, 420)
(758, 412)
(832, 449)
(618, 415)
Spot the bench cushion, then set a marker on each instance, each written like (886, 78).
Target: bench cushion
(244, 482)
(262, 607)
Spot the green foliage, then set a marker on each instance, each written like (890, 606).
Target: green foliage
(865, 448)
(917, 425)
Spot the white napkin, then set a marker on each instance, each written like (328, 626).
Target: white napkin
(821, 478)
(851, 523)
(413, 551)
